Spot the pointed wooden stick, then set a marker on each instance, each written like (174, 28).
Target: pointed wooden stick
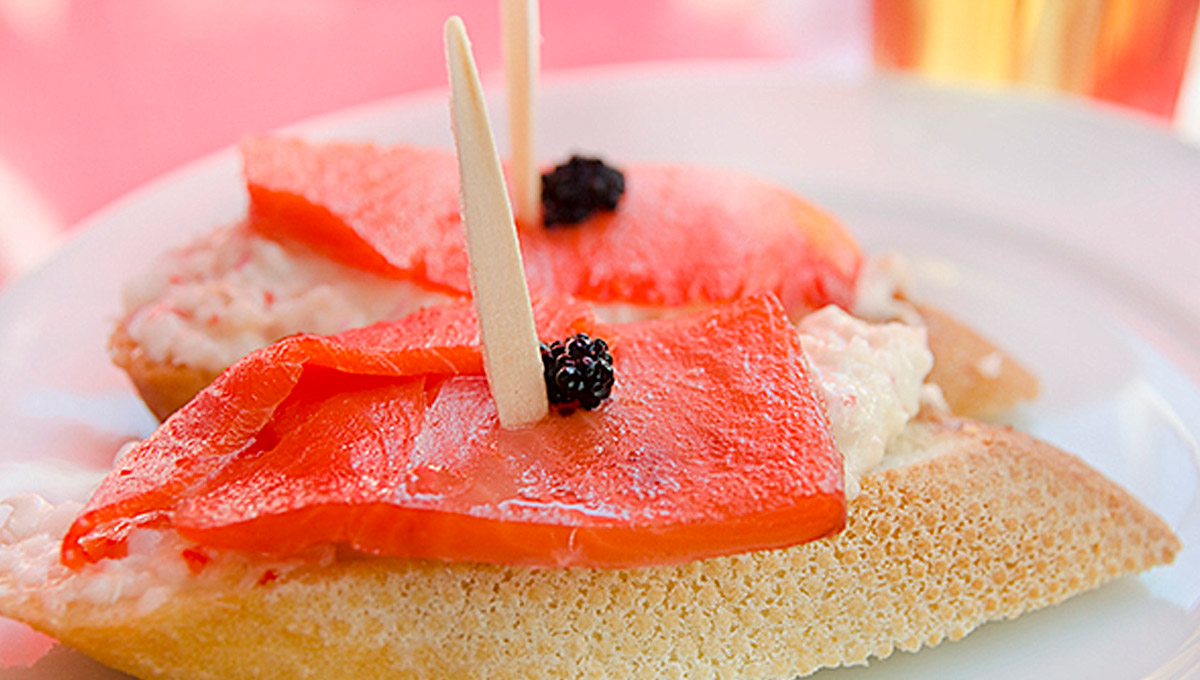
(521, 38)
(512, 358)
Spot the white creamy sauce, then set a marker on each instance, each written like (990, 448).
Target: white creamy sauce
(232, 291)
(871, 377)
(30, 540)
(31, 534)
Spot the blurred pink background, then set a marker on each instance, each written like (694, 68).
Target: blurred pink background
(98, 97)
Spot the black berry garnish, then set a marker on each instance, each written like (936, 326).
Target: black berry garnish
(577, 370)
(575, 190)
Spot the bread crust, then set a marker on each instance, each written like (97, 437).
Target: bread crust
(997, 525)
(977, 378)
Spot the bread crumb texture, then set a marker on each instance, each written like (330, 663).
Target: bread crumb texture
(1000, 525)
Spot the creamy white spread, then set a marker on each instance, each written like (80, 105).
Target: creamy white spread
(155, 568)
(990, 365)
(871, 377)
(233, 291)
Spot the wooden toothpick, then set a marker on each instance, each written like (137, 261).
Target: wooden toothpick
(521, 48)
(512, 358)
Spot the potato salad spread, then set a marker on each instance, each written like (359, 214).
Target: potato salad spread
(211, 303)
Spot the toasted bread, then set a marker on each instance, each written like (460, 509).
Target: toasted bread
(985, 523)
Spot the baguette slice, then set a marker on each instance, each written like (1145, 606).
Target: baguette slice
(994, 524)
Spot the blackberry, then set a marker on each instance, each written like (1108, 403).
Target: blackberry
(577, 370)
(575, 190)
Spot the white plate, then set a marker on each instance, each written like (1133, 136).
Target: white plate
(1068, 233)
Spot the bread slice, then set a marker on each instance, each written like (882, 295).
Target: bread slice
(985, 524)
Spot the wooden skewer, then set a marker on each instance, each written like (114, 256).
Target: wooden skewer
(511, 354)
(521, 37)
